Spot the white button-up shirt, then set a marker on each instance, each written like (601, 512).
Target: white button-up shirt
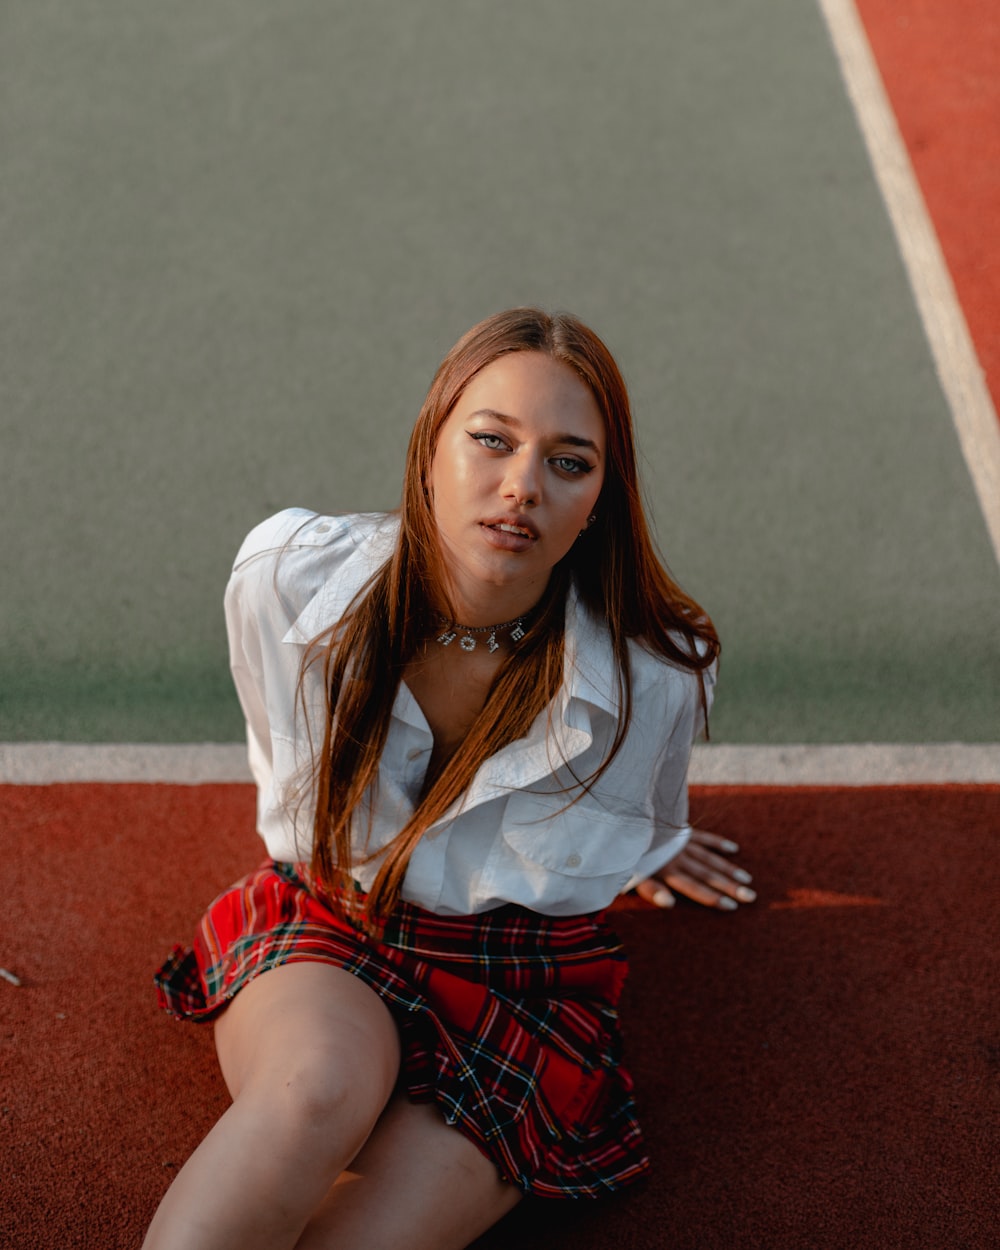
(511, 838)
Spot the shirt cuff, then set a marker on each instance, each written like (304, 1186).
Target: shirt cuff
(658, 857)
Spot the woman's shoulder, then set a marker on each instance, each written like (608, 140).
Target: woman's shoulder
(650, 660)
(667, 692)
(301, 528)
(303, 565)
(653, 671)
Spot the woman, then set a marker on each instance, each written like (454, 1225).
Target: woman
(470, 724)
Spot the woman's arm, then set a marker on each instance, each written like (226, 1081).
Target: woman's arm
(260, 607)
(698, 871)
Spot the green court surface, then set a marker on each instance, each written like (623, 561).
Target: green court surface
(238, 237)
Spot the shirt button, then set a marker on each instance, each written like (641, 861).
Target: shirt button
(573, 861)
(322, 528)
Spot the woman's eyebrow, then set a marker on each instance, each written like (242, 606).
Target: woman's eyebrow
(574, 440)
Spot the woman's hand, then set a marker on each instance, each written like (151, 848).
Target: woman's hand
(700, 874)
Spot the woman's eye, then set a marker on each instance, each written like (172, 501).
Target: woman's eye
(493, 441)
(570, 464)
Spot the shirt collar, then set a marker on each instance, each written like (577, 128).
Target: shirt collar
(589, 673)
(589, 669)
(562, 733)
(589, 665)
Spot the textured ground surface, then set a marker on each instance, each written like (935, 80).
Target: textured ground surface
(817, 1071)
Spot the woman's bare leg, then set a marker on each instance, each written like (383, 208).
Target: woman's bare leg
(310, 1054)
(417, 1184)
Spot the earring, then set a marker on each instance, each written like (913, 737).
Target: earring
(590, 521)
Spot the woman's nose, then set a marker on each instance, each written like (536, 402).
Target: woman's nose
(523, 481)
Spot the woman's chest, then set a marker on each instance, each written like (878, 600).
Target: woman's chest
(451, 695)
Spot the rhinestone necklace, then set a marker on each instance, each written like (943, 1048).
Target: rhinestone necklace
(468, 643)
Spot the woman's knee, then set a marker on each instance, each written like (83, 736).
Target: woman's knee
(311, 1049)
(317, 1100)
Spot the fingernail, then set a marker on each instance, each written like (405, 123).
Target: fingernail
(663, 898)
(742, 875)
(745, 895)
(731, 847)
(726, 904)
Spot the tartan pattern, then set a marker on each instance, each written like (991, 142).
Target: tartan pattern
(508, 1019)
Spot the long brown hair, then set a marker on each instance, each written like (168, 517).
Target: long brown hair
(614, 566)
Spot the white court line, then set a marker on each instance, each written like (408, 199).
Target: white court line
(955, 359)
(850, 764)
(847, 764)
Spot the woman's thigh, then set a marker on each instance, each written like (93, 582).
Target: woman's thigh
(314, 1034)
(417, 1184)
(311, 1057)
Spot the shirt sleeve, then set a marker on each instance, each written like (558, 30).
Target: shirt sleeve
(259, 610)
(246, 664)
(293, 578)
(670, 791)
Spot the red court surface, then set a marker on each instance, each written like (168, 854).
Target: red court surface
(818, 1070)
(940, 63)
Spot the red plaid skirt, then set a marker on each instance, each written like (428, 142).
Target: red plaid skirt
(508, 1019)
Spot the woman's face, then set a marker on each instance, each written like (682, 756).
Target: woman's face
(517, 470)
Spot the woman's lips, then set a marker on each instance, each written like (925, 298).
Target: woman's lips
(509, 535)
